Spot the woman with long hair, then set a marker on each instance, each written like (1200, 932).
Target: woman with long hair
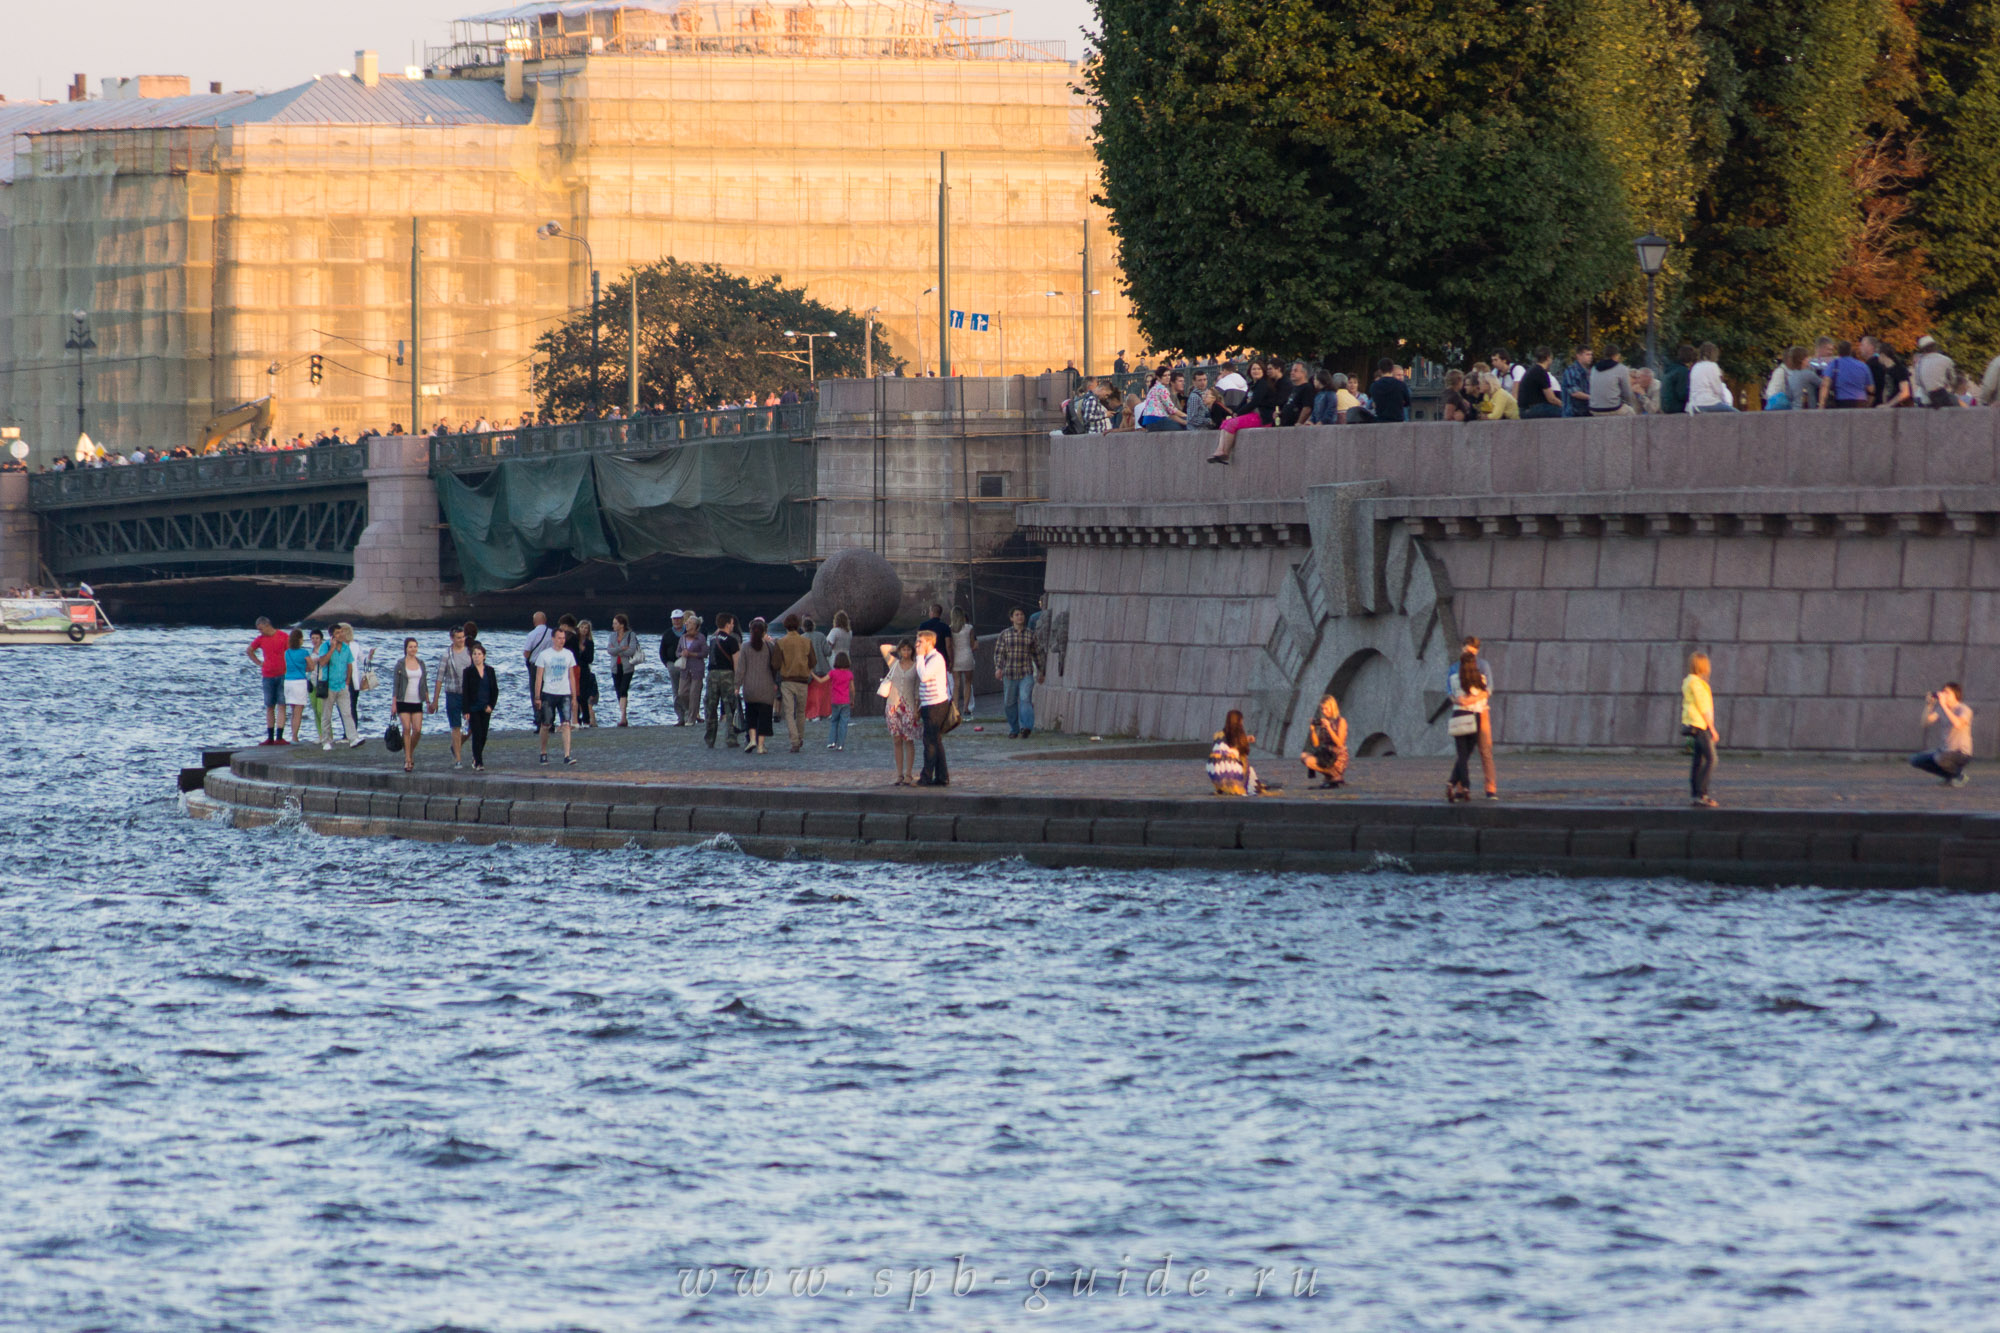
(482, 693)
(409, 697)
(1468, 701)
(901, 708)
(964, 642)
(1325, 754)
(1229, 768)
(316, 679)
(757, 677)
(586, 679)
(624, 661)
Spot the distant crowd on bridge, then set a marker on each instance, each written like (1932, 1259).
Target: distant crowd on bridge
(1261, 392)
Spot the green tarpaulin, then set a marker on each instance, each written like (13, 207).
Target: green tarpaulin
(734, 499)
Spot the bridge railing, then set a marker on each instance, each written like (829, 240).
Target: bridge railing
(217, 473)
(465, 453)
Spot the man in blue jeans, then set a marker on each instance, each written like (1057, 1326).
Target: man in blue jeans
(1020, 662)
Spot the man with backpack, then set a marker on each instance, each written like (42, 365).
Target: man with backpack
(1084, 413)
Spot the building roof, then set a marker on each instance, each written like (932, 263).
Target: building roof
(334, 100)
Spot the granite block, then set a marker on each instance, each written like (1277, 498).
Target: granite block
(932, 828)
(495, 811)
(885, 826)
(1445, 840)
(1192, 833)
(1552, 843)
(1770, 617)
(781, 823)
(1000, 828)
(637, 818)
(834, 824)
(1803, 562)
(1899, 616)
(1392, 838)
(1867, 562)
(1685, 562)
(538, 814)
(737, 821)
(1118, 832)
(1601, 844)
(673, 818)
(1744, 561)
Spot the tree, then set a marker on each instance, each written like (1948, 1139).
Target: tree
(706, 336)
(1783, 121)
(1958, 204)
(1339, 176)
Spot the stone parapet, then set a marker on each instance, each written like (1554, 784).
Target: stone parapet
(1879, 849)
(1835, 566)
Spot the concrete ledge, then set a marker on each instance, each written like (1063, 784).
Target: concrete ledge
(1851, 849)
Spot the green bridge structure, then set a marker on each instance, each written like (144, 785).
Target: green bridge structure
(737, 507)
(510, 498)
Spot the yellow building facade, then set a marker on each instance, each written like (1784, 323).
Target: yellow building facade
(216, 243)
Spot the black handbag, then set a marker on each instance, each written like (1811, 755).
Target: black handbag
(393, 738)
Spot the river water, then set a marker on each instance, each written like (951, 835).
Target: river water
(270, 1080)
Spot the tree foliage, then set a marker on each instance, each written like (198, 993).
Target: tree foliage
(1346, 175)
(1341, 175)
(1958, 202)
(706, 336)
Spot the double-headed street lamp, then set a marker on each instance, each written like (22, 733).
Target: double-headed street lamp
(812, 370)
(1652, 249)
(79, 342)
(553, 230)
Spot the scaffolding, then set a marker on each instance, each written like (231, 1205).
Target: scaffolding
(896, 29)
(219, 243)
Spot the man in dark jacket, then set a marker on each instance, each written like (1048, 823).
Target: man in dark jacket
(1674, 381)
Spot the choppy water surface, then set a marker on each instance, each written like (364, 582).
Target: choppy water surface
(269, 1080)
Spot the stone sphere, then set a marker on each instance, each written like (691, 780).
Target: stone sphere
(856, 581)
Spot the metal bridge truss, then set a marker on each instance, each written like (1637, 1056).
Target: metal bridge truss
(306, 534)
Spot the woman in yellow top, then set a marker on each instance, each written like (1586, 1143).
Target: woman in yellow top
(1498, 404)
(1698, 725)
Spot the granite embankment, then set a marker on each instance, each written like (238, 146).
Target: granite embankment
(1065, 802)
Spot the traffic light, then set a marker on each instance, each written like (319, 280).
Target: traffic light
(317, 375)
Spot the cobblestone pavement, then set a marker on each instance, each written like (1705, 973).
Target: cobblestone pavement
(985, 762)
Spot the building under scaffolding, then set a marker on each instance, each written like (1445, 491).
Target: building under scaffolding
(218, 242)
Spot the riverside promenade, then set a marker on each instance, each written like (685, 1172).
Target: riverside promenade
(1067, 801)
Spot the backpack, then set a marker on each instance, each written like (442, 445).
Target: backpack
(1073, 423)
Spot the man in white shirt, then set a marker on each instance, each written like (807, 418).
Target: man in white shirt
(555, 688)
(934, 702)
(537, 644)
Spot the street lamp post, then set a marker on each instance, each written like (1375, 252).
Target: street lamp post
(554, 230)
(868, 341)
(1652, 249)
(812, 369)
(79, 342)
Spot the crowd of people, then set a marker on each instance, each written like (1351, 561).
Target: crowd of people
(1261, 392)
(733, 684)
(1946, 724)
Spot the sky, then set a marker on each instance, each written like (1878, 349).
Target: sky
(245, 44)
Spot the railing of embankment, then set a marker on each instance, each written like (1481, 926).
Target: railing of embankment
(212, 474)
(476, 451)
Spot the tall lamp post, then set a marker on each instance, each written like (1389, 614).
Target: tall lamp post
(79, 342)
(868, 341)
(812, 369)
(1652, 249)
(553, 230)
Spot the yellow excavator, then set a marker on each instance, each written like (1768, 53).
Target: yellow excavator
(256, 414)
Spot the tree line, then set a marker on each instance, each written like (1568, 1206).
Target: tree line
(1344, 177)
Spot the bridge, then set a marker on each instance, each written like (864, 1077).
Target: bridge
(302, 512)
(736, 504)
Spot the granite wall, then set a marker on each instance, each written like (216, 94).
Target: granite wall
(1836, 566)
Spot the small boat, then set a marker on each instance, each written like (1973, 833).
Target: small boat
(55, 619)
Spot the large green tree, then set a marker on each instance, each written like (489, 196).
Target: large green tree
(1785, 112)
(706, 336)
(1958, 204)
(1339, 176)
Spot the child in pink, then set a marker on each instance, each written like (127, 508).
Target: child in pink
(841, 680)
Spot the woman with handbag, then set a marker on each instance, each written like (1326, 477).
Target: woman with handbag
(1469, 697)
(409, 696)
(757, 677)
(316, 680)
(964, 644)
(586, 678)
